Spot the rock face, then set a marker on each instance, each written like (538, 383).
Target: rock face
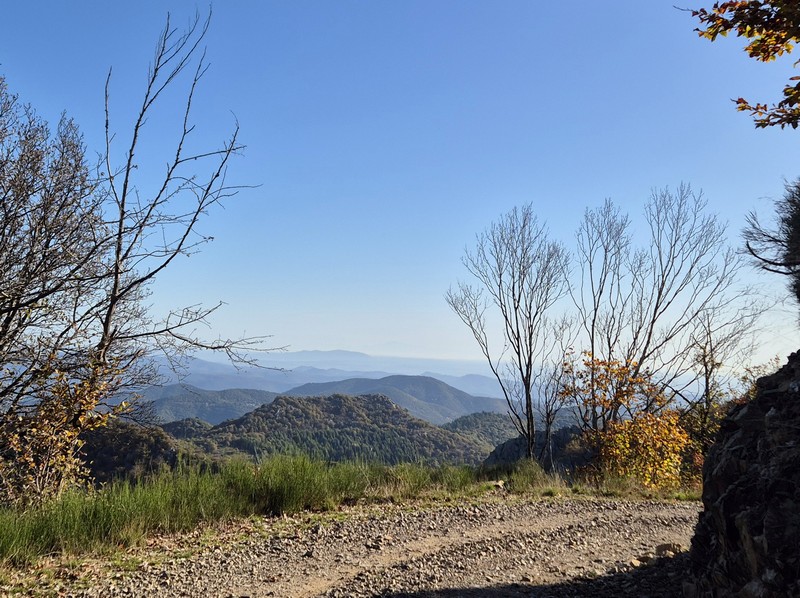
(747, 540)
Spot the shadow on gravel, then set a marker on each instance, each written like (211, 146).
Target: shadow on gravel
(662, 579)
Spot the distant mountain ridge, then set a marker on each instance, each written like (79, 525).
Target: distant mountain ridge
(183, 401)
(423, 396)
(282, 371)
(336, 428)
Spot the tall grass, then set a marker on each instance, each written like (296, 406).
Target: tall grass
(123, 513)
(526, 476)
(119, 515)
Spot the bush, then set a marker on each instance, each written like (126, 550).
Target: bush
(647, 448)
(527, 477)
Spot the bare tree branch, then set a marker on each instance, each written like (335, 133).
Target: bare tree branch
(520, 275)
(78, 256)
(649, 306)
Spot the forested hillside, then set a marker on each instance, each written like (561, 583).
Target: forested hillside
(341, 427)
(425, 397)
(191, 427)
(122, 450)
(486, 427)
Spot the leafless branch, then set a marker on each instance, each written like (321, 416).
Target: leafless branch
(520, 275)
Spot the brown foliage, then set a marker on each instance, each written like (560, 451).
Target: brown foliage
(772, 28)
(626, 423)
(40, 455)
(79, 253)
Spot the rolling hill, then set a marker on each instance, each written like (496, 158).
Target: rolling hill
(424, 397)
(280, 371)
(342, 427)
(181, 401)
(486, 427)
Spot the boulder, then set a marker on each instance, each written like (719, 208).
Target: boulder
(747, 540)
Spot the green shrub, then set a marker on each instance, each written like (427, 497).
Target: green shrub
(455, 478)
(408, 480)
(528, 477)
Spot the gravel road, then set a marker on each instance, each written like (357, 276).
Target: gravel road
(492, 548)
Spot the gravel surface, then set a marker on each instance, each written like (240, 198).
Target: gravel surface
(494, 547)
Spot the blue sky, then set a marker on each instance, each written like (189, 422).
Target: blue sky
(384, 135)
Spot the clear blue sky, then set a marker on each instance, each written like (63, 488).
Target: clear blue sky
(385, 135)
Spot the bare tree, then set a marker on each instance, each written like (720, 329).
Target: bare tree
(150, 231)
(548, 382)
(648, 306)
(52, 248)
(79, 254)
(721, 351)
(520, 275)
(52, 238)
(603, 293)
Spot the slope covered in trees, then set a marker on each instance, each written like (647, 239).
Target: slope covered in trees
(186, 428)
(341, 427)
(425, 397)
(487, 427)
(123, 449)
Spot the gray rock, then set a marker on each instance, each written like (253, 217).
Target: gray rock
(747, 540)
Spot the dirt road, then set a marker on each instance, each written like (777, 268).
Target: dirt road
(499, 547)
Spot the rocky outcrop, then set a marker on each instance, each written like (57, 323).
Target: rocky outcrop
(747, 540)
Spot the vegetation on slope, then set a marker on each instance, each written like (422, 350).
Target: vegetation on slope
(182, 401)
(187, 428)
(122, 449)
(486, 427)
(342, 427)
(425, 397)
